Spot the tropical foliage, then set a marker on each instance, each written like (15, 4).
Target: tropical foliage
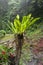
(2, 33)
(18, 26)
(28, 30)
(5, 53)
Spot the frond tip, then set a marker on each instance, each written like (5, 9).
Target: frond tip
(33, 21)
(17, 16)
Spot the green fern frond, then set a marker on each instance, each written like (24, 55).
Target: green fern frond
(20, 27)
(33, 21)
(17, 23)
(14, 29)
(24, 19)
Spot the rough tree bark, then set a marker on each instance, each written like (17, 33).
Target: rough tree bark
(19, 48)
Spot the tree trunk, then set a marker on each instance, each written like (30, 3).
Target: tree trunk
(19, 48)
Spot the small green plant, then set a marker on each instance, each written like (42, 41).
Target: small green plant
(6, 54)
(19, 27)
(2, 33)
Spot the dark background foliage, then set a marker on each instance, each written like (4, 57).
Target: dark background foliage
(10, 8)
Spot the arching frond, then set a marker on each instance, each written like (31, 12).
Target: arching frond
(20, 27)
